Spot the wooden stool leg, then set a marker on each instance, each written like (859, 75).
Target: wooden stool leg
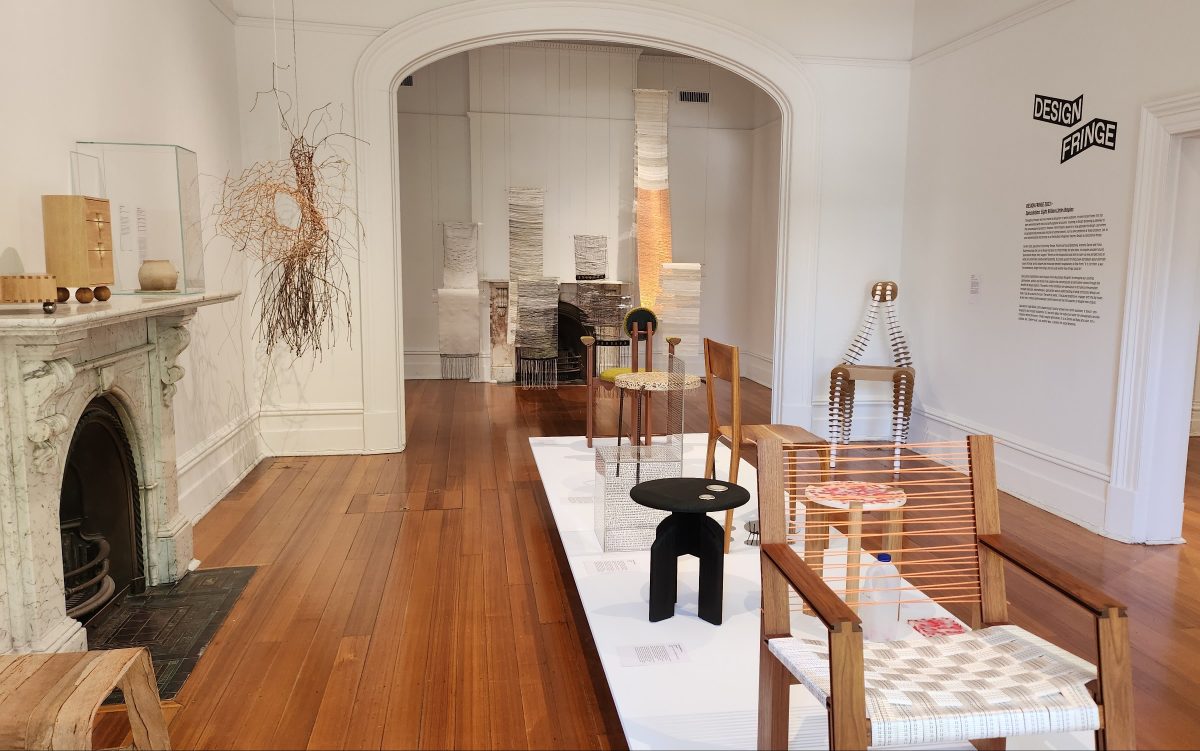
(141, 700)
(853, 553)
(893, 540)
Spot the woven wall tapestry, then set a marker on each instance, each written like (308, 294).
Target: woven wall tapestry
(537, 334)
(605, 307)
(591, 257)
(458, 331)
(679, 308)
(525, 210)
(460, 248)
(652, 209)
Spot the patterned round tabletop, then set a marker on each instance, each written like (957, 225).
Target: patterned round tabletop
(870, 496)
(656, 380)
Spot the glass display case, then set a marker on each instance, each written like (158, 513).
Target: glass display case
(154, 193)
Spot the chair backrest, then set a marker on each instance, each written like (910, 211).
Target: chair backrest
(949, 498)
(722, 363)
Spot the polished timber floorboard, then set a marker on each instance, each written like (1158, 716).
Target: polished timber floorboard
(418, 600)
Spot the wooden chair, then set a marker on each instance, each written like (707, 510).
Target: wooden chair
(48, 701)
(980, 686)
(640, 325)
(722, 363)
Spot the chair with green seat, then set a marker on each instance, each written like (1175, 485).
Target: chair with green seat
(640, 325)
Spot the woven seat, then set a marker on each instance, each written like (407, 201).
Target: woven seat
(996, 682)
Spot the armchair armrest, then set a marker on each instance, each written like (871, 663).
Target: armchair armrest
(830, 608)
(1082, 594)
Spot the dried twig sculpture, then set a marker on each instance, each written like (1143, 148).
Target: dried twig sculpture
(291, 216)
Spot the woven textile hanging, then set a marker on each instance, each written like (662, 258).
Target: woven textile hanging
(525, 209)
(679, 307)
(652, 211)
(591, 257)
(458, 300)
(458, 332)
(537, 335)
(460, 245)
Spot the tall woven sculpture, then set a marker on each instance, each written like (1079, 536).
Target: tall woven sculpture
(679, 307)
(901, 373)
(458, 301)
(537, 334)
(525, 209)
(652, 210)
(591, 257)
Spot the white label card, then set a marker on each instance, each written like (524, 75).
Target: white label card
(613, 566)
(652, 654)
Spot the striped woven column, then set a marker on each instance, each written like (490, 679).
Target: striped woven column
(652, 211)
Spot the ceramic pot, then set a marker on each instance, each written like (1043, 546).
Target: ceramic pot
(157, 275)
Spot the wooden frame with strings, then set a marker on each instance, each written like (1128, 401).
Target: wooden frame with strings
(954, 554)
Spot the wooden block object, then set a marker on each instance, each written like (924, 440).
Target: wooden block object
(79, 243)
(49, 700)
(27, 288)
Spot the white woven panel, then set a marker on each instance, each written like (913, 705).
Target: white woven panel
(622, 524)
(460, 249)
(998, 682)
(679, 308)
(458, 321)
(650, 138)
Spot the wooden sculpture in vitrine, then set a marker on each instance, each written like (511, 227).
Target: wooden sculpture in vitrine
(639, 325)
(982, 685)
(78, 234)
(901, 374)
(30, 288)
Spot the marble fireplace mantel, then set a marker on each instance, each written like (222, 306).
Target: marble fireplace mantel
(51, 367)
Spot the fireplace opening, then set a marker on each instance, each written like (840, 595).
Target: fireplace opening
(99, 515)
(572, 324)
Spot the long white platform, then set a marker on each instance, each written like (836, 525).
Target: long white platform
(705, 693)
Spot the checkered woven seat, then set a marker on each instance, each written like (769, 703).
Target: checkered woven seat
(996, 682)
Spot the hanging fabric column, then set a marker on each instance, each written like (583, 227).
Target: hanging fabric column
(458, 301)
(652, 209)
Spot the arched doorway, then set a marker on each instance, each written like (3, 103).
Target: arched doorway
(431, 36)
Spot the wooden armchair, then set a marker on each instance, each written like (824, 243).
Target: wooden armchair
(980, 686)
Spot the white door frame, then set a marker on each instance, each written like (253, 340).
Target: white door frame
(447, 31)
(1145, 493)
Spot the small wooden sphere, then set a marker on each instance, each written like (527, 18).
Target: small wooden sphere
(84, 295)
(64, 294)
(103, 293)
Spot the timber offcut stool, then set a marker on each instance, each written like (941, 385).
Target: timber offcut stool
(47, 701)
(689, 530)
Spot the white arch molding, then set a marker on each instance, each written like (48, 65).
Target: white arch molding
(436, 34)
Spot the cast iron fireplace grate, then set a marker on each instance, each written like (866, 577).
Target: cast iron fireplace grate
(174, 621)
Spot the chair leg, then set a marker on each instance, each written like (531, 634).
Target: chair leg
(710, 458)
(735, 461)
(591, 401)
(146, 721)
(893, 540)
(773, 690)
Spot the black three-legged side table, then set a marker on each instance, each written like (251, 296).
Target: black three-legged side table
(688, 531)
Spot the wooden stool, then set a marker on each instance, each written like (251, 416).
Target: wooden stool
(49, 700)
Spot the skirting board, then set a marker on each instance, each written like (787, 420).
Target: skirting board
(209, 470)
(300, 430)
(757, 368)
(1065, 486)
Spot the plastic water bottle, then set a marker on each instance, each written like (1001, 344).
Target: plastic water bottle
(880, 605)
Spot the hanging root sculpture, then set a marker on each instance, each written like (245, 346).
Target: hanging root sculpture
(290, 215)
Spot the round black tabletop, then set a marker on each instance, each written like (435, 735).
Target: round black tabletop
(689, 495)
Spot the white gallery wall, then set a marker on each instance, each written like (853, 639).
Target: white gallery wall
(560, 116)
(145, 72)
(976, 158)
(854, 55)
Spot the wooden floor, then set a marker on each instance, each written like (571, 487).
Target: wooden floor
(418, 599)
